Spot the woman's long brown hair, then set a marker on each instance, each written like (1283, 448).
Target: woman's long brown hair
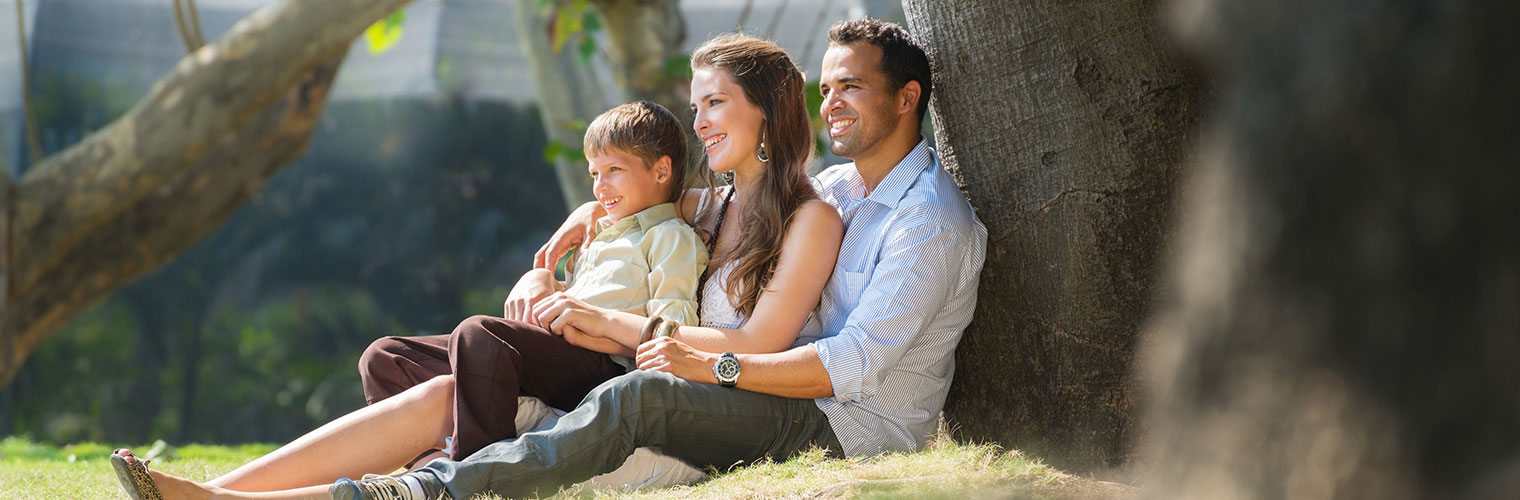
(773, 82)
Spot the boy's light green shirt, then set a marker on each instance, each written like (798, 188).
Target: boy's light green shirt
(640, 263)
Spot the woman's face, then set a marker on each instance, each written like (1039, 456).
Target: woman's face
(726, 122)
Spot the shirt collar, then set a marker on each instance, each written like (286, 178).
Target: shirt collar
(644, 219)
(896, 183)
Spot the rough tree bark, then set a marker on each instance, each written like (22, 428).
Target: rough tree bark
(1348, 284)
(1066, 123)
(134, 194)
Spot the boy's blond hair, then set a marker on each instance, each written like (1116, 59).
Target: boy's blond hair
(646, 130)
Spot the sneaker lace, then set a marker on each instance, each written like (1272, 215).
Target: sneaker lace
(384, 487)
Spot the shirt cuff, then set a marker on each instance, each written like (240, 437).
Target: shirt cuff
(845, 362)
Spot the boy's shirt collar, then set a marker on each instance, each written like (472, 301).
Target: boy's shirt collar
(644, 219)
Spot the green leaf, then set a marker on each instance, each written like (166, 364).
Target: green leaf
(592, 22)
(566, 25)
(553, 150)
(588, 49)
(576, 125)
(677, 68)
(384, 34)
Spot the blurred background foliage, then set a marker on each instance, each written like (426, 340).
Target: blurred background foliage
(426, 189)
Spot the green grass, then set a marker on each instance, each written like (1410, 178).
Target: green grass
(35, 471)
(945, 470)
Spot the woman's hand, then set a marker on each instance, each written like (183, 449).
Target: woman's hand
(559, 313)
(579, 228)
(666, 354)
(529, 290)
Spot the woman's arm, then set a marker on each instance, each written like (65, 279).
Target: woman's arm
(808, 252)
(579, 226)
(577, 230)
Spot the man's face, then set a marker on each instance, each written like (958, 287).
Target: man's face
(857, 99)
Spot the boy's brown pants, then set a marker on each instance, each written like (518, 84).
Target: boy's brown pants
(493, 360)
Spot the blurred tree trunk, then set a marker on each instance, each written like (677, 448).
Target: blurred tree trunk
(1347, 322)
(1067, 125)
(567, 96)
(644, 38)
(131, 196)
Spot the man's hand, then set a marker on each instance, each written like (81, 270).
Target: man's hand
(529, 290)
(578, 229)
(672, 356)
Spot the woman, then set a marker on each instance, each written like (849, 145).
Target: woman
(773, 246)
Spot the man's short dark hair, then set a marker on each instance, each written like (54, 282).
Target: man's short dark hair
(902, 60)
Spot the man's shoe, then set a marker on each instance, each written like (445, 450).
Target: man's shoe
(382, 487)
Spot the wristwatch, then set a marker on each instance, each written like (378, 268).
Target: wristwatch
(727, 370)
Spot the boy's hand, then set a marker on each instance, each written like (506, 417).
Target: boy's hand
(529, 290)
(578, 229)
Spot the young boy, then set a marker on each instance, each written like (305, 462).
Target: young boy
(643, 259)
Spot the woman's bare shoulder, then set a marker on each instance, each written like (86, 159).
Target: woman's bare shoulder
(818, 215)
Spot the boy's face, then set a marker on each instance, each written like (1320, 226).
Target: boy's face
(624, 185)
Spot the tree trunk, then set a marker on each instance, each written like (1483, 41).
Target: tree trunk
(642, 38)
(567, 95)
(1348, 284)
(1066, 124)
(131, 196)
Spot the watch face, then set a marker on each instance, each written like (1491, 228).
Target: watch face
(728, 369)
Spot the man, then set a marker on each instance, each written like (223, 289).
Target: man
(867, 375)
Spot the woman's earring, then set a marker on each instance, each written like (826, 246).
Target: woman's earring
(760, 153)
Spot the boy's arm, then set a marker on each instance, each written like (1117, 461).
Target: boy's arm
(676, 258)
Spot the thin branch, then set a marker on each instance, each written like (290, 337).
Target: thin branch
(776, 21)
(807, 52)
(744, 15)
(32, 144)
(183, 29)
(195, 24)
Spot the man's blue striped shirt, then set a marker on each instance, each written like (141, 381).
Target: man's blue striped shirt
(903, 290)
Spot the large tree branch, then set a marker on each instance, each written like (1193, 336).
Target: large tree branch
(131, 196)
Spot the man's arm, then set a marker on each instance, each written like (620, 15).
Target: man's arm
(794, 373)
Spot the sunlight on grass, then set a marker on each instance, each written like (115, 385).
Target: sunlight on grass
(35, 471)
(944, 470)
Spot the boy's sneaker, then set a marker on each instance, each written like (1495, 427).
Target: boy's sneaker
(383, 487)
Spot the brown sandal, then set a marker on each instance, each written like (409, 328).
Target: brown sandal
(134, 477)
